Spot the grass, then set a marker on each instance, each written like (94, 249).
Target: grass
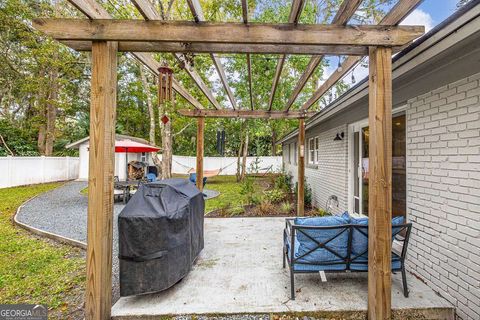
(35, 270)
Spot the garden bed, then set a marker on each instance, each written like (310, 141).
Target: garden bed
(257, 196)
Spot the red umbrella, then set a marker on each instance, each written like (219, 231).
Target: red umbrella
(132, 146)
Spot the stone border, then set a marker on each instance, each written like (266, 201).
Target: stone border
(46, 234)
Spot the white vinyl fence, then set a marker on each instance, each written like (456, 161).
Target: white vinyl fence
(18, 171)
(228, 165)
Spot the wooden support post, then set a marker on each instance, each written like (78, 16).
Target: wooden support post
(301, 168)
(98, 300)
(200, 130)
(380, 184)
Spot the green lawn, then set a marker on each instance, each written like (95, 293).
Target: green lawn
(34, 270)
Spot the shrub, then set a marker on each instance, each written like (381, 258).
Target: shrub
(286, 207)
(307, 198)
(320, 212)
(248, 189)
(266, 207)
(284, 182)
(235, 211)
(274, 195)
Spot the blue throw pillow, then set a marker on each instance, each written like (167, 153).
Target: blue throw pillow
(321, 255)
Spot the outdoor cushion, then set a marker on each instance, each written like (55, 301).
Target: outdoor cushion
(360, 237)
(363, 266)
(322, 255)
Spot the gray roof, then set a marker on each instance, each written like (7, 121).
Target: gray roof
(76, 144)
(451, 49)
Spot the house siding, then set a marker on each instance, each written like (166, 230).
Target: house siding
(330, 175)
(443, 192)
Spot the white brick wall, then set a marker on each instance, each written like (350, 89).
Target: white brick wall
(330, 175)
(443, 192)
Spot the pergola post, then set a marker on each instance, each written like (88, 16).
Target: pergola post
(200, 134)
(98, 301)
(301, 168)
(380, 183)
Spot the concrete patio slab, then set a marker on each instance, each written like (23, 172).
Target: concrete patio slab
(240, 272)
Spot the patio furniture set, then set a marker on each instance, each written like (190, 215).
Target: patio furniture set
(337, 244)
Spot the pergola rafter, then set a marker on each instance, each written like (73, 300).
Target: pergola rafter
(197, 12)
(104, 36)
(345, 12)
(296, 10)
(393, 17)
(149, 12)
(93, 10)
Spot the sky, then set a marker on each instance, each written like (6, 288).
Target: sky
(429, 14)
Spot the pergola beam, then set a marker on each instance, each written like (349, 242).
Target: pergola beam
(297, 7)
(142, 46)
(198, 16)
(149, 12)
(244, 114)
(213, 32)
(93, 10)
(249, 58)
(345, 12)
(394, 17)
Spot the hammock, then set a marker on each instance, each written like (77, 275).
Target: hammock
(206, 173)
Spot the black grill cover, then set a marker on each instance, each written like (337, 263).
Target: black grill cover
(160, 235)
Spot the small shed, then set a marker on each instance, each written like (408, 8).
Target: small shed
(120, 158)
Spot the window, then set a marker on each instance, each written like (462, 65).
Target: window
(288, 154)
(313, 150)
(143, 158)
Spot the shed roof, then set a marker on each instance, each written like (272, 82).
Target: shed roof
(76, 144)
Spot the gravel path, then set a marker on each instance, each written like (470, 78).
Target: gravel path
(63, 211)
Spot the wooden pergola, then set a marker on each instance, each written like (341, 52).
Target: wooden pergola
(105, 36)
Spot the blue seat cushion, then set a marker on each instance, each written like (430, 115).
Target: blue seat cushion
(360, 237)
(308, 251)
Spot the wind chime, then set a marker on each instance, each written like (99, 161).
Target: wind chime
(165, 92)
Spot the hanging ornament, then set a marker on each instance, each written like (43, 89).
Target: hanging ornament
(165, 80)
(339, 66)
(353, 77)
(165, 119)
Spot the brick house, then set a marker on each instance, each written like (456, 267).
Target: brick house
(436, 155)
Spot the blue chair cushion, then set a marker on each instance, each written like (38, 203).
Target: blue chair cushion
(323, 258)
(363, 266)
(360, 237)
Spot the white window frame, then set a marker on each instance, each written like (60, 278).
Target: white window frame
(313, 153)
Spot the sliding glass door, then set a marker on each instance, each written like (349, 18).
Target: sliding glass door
(360, 168)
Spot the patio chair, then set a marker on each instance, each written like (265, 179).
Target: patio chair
(193, 178)
(336, 244)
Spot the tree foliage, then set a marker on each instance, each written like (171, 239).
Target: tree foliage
(44, 86)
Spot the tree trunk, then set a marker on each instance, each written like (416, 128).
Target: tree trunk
(51, 112)
(239, 154)
(244, 160)
(41, 139)
(274, 141)
(166, 133)
(151, 112)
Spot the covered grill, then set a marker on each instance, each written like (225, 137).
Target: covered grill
(160, 235)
